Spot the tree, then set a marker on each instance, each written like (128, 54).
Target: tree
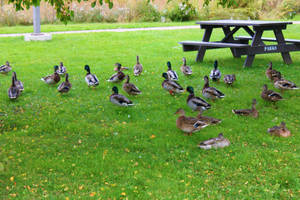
(65, 14)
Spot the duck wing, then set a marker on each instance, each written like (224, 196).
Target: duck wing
(172, 75)
(200, 102)
(120, 100)
(214, 92)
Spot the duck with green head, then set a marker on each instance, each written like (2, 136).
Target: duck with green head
(171, 73)
(4, 69)
(194, 102)
(90, 79)
(119, 99)
(171, 86)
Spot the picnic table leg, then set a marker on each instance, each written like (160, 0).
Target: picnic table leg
(255, 42)
(227, 31)
(202, 50)
(280, 40)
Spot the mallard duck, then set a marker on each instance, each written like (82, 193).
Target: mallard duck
(4, 69)
(13, 91)
(280, 131)
(130, 88)
(283, 84)
(208, 120)
(211, 92)
(117, 77)
(188, 125)
(186, 70)
(66, 86)
(91, 79)
(272, 73)
(18, 83)
(270, 95)
(218, 142)
(171, 73)
(171, 86)
(61, 69)
(138, 67)
(253, 112)
(53, 78)
(215, 74)
(229, 79)
(119, 99)
(196, 103)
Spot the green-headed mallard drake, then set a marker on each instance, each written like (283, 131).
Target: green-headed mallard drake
(196, 103)
(117, 77)
(188, 125)
(283, 84)
(218, 142)
(280, 131)
(130, 88)
(53, 78)
(171, 73)
(119, 99)
(270, 95)
(61, 69)
(208, 120)
(171, 86)
(90, 79)
(253, 112)
(272, 73)
(186, 70)
(66, 86)
(211, 92)
(229, 79)
(138, 67)
(4, 69)
(215, 73)
(13, 91)
(18, 83)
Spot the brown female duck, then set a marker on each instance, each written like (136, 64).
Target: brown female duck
(246, 112)
(270, 95)
(272, 73)
(211, 92)
(53, 78)
(218, 142)
(280, 131)
(130, 88)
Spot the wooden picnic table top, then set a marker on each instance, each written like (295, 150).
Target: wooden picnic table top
(243, 23)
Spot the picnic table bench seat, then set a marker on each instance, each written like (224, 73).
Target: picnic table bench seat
(195, 45)
(247, 38)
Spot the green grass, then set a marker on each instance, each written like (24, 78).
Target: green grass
(87, 26)
(79, 145)
(297, 17)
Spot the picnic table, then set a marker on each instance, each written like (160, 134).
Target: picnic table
(240, 45)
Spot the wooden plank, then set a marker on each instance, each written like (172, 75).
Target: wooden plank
(243, 23)
(256, 41)
(267, 39)
(202, 49)
(229, 37)
(280, 40)
(213, 44)
(269, 49)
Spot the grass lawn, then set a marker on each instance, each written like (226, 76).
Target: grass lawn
(79, 145)
(87, 26)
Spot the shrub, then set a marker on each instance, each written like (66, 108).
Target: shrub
(184, 11)
(145, 12)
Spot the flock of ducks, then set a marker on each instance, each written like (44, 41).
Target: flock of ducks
(170, 83)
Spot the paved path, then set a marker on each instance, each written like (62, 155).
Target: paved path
(117, 30)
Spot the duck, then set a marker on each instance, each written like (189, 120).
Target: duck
(211, 92)
(117, 77)
(138, 67)
(188, 125)
(208, 120)
(18, 83)
(283, 84)
(246, 112)
(66, 86)
(229, 79)
(130, 88)
(53, 78)
(272, 73)
(61, 69)
(119, 99)
(280, 131)
(215, 73)
(171, 73)
(4, 69)
(171, 86)
(217, 142)
(196, 103)
(186, 70)
(270, 95)
(90, 79)
(13, 91)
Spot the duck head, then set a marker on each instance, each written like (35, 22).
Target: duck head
(61, 64)
(270, 65)
(265, 87)
(137, 59)
(15, 75)
(180, 112)
(165, 75)
(87, 68)
(118, 66)
(184, 61)
(55, 68)
(190, 89)
(216, 64)
(67, 77)
(7, 63)
(169, 65)
(115, 90)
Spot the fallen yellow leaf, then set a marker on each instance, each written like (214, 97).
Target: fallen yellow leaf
(92, 194)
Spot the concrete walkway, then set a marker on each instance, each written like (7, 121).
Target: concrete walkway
(117, 30)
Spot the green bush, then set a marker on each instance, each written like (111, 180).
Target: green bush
(289, 8)
(146, 12)
(184, 11)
